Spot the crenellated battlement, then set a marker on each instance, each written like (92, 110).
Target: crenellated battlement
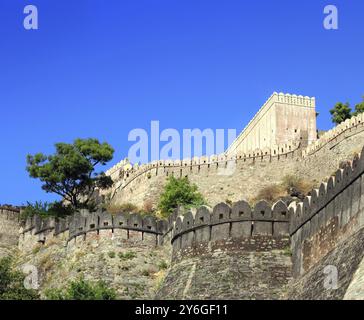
(329, 215)
(260, 246)
(334, 135)
(124, 174)
(10, 213)
(78, 226)
(130, 180)
(127, 171)
(240, 226)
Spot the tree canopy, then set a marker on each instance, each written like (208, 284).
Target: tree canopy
(179, 192)
(70, 171)
(340, 112)
(359, 108)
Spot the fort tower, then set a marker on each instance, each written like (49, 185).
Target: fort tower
(282, 119)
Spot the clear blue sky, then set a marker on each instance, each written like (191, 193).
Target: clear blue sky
(100, 68)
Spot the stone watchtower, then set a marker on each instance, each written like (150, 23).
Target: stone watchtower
(284, 118)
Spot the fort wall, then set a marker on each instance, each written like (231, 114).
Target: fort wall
(236, 251)
(96, 225)
(227, 252)
(239, 226)
(9, 229)
(332, 214)
(241, 176)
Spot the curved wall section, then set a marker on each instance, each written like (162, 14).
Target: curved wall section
(239, 226)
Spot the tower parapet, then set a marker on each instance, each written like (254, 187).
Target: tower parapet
(282, 119)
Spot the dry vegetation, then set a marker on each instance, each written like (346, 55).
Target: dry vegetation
(290, 186)
(146, 209)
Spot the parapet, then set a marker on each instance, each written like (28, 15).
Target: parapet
(81, 223)
(10, 212)
(331, 214)
(335, 133)
(224, 223)
(344, 177)
(124, 176)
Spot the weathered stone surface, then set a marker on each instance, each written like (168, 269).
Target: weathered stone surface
(256, 268)
(9, 231)
(346, 257)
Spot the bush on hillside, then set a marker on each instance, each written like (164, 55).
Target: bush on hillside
(82, 290)
(45, 209)
(179, 192)
(271, 193)
(12, 283)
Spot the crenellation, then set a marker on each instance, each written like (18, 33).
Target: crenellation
(263, 219)
(85, 225)
(334, 217)
(280, 214)
(225, 224)
(327, 216)
(333, 136)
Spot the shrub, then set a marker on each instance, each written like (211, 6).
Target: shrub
(163, 265)
(111, 254)
(179, 192)
(287, 251)
(45, 209)
(293, 183)
(146, 273)
(12, 283)
(271, 193)
(148, 208)
(127, 255)
(82, 290)
(124, 207)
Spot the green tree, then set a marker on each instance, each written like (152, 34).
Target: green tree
(70, 172)
(12, 283)
(340, 112)
(179, 192)
(45, 209)
(359, 108)
(82, 290)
